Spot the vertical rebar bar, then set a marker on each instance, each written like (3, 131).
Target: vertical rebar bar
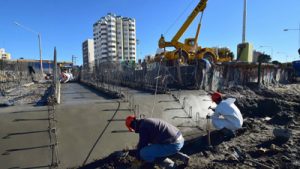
(191, 112)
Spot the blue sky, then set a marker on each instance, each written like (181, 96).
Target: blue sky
(67, 23)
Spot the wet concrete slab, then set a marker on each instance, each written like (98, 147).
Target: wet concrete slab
(90, 125)
(86, 130)
(24, 138)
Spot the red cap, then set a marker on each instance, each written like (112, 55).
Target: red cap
(215, 97)
(128, 122)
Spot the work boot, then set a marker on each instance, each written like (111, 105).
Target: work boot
(227, 134)
(183, 157)
(167, 163)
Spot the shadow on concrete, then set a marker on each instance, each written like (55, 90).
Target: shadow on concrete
(196, 127)
(41, 166)
(164, 101)
(27, 111)
(115, 109)
(23, 149)
(120, 131)
(98, 93)
(79, 97)
(23, 133)
(116, 120)
(181, 117)
(16, 120)
(105, 102)
(179, 108)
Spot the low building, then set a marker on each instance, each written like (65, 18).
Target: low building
(4, 55)
(88, 55)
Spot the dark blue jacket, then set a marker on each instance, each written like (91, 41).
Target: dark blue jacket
(156, 131)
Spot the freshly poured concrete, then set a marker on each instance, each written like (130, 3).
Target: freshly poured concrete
(82, 117)
(24, 138)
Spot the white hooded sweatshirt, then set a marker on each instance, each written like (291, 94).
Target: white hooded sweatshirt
(232, 120)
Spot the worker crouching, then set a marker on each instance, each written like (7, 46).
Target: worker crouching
(157, 141)
(227, 116)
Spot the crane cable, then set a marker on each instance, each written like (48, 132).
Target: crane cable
(177, 19)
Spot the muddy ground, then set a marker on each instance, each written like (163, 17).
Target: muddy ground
(31, 93)
(269, 138)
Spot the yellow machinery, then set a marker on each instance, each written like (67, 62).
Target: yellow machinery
(189, 51)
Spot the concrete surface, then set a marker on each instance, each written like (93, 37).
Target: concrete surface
(24, 138)
(82, 117)
(85, 126)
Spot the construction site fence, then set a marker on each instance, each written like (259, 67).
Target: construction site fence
(113, 74)
(14, 74)
(160, 78)
(232, 74)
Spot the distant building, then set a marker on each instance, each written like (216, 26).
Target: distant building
(36, 64)
(114, 39)
(88, 55)
(4, 55)
(255, 55)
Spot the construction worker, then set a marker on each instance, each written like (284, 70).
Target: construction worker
(31, 72)
(227, 117)
(157, 140)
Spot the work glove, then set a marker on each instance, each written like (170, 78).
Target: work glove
(213, 109)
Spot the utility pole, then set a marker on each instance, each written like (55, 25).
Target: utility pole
(39, 39)
(40, 49)
(244, 22)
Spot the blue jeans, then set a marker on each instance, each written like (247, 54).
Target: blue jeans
(153, 151)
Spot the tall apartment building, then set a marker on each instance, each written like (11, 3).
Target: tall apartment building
(88, 55)
(114, 39)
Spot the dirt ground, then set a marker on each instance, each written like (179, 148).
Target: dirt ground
(269, 137)
(31, 93)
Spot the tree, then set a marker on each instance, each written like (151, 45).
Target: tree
(262, 58)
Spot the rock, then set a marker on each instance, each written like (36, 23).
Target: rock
(282, 134)
(273, 147)
(232, 157)
(285, 159)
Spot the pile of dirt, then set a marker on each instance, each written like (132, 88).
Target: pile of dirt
(27, 94)
(270, 137)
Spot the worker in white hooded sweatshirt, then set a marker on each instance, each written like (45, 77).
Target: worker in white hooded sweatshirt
(226, 115)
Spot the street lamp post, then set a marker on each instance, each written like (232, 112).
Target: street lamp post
(39, 40)
(298, 35)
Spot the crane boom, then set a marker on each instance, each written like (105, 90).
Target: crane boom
(174, 42)
(199, 8)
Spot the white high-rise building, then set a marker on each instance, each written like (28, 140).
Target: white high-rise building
(114, 39)
(88, 55)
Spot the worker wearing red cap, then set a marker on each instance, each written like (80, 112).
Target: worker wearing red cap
(226, 114)
(157, 140)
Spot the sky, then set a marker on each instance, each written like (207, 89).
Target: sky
(65, 24)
